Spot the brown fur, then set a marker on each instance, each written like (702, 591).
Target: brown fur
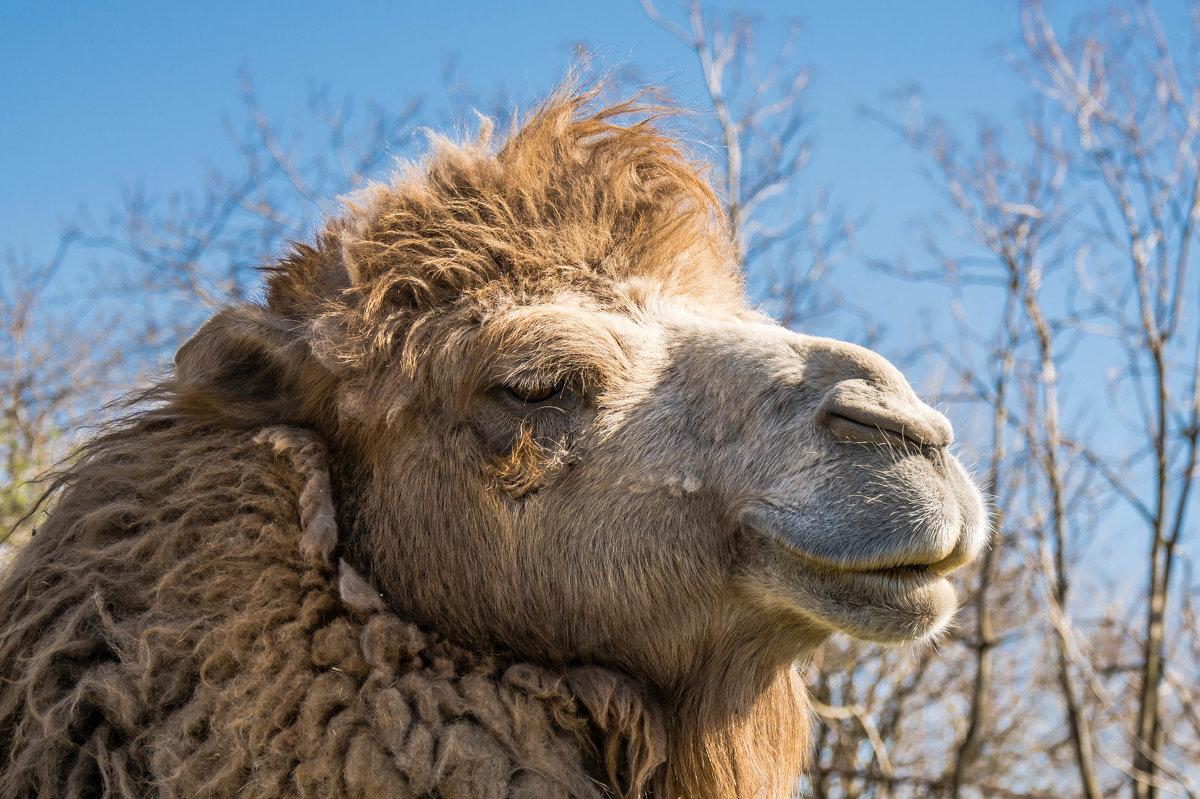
(205, 655)
(337, 557)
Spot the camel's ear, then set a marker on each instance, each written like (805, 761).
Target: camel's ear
(252, 368)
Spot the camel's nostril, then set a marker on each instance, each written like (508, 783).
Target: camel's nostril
(867, 426)
(858, 412)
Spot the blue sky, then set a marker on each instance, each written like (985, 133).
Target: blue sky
(97, 96)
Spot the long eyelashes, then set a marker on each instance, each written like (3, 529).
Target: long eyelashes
(535, 395)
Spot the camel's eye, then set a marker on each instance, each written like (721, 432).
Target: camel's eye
(535, 394)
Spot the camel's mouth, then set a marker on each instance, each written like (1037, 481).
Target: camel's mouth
(904, 574)
(916, 569)
(887, 597)
(897, 565)
(895, 580)
(907, 571)
(891, 579)
(893, 604)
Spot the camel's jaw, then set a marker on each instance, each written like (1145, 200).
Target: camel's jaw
(885, 605)
(893, 587)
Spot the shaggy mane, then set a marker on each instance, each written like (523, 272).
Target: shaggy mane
(159, 644)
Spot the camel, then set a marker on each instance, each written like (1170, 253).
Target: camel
(505, 490)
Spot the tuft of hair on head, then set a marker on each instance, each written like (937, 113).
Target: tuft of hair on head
(576, 195)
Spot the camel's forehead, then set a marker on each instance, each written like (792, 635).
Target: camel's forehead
(628, 307)
(628, 325)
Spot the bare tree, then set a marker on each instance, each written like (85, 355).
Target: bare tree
(788, 235)
(55, 364)
(1089, 233)
(1136, 119)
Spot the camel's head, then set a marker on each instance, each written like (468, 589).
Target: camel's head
(556, 426)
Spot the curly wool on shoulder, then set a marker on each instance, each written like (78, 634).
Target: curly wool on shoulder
(506, 490)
